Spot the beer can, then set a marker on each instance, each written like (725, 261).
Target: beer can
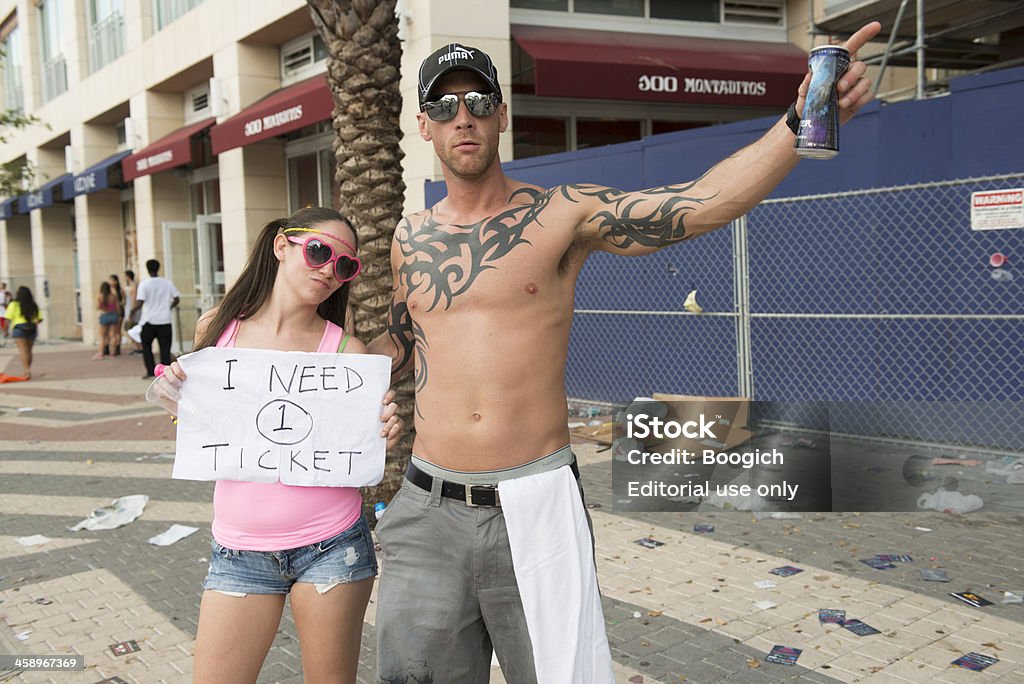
(819, 122)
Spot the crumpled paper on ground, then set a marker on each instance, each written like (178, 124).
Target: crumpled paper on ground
(1012, 470)
(174, 533)
(33, 540)
(120, 512)
(953, 502)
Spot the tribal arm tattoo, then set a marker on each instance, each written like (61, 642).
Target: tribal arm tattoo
(421, 363)
(401, 331)
(647, 220)
(637, 222)
(398, 340)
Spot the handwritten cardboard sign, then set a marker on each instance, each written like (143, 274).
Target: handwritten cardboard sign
(299, 418)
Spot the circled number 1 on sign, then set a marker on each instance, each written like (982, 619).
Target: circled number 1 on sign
(284, 422)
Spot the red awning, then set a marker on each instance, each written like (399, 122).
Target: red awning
(634, 66)
(166, 153)
(282, 111)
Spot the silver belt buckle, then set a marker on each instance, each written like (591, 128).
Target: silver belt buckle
(469, 494)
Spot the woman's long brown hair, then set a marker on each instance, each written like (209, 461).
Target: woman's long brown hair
(253, 287)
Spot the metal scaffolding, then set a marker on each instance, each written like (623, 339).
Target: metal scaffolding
(946, 34)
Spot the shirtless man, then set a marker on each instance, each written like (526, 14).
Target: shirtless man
(481, 309)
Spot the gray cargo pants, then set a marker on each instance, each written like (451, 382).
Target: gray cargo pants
(448, 592)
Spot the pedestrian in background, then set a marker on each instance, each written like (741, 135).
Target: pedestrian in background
(115, 334)
(131, 315)
(155, 299)
(5, 299)
(107, 305)
(24, 316)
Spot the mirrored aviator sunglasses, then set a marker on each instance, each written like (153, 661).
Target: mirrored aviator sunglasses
(317, 253)
(447, 106)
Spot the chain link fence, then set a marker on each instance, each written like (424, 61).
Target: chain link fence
(882, 303)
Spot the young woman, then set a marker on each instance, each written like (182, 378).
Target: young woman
(24, 315)
(273, 539)
(115, 332)
(107, 305)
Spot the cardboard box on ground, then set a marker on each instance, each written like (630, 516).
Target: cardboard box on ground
(734, 412)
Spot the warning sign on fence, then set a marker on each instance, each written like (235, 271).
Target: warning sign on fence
(997, 209)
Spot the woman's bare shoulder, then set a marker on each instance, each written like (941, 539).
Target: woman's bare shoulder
(205, 320)
(355, 346)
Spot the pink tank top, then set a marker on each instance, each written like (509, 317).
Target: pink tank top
(261, 516)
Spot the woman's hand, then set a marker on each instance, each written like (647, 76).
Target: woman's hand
(166, 389)
(393, 425)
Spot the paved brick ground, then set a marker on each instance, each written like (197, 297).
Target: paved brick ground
(684, 611)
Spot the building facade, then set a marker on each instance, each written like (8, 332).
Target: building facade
(174, 129)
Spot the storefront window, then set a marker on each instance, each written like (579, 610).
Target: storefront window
(536, 135)
(304, 181)
(332, 189)
(629, 8)
(205, 197)
(129, 236)
(557, 5)
(202, 152)
(597, 132)
(692, 10)
(311, 181)
(309, 131)
(217, 248)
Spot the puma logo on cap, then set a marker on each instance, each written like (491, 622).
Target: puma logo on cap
(459, 53)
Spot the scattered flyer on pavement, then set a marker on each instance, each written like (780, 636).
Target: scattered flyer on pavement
(971, 599)
(783, 655)
(974, 661)
(785, 571)
(860, 628)
(831, 615)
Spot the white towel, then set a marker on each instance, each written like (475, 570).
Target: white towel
(554, 564)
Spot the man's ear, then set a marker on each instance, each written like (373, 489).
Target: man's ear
(503, 118)
(421, 122)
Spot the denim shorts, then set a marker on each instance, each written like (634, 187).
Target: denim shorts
(342, 559)
(25, 331)
(108, 318)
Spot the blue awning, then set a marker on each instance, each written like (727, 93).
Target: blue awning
(7, 208)
(43, 197)
(101, 176)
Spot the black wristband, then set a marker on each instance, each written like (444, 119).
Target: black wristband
(793, 119)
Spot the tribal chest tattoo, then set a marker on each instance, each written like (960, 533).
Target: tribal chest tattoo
(444, 261)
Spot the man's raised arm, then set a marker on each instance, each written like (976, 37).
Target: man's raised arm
(398, 341)
(644, 221)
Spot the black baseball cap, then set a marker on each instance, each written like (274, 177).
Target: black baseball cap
(456, 57)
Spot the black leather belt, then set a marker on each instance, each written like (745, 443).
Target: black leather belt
(471, 495)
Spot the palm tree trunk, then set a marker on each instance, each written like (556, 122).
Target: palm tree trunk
(363, 71)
